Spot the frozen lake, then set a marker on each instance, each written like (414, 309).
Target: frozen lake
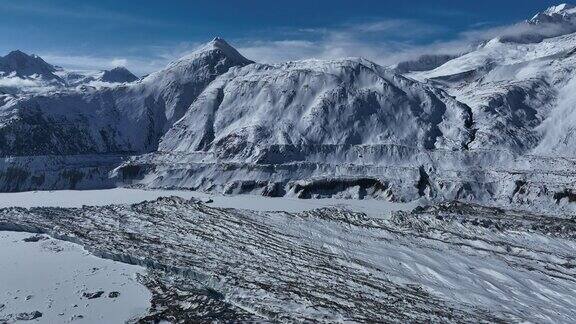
(53, 281)
(77, 198)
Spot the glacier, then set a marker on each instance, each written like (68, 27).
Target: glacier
(452, 262)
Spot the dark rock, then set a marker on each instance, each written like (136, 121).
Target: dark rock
(93, 295)
(35, 238)
(114, 294)
(76, 317)
(28, 316)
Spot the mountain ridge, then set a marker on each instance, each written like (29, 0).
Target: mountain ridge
(473, 127)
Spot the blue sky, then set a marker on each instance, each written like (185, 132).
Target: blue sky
(144, 35)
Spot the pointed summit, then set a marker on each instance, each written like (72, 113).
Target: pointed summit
(17, 54)
(220, 47)
(189, 75)
(217, 43)
(25, 65)
(219, 40)
(118, 75)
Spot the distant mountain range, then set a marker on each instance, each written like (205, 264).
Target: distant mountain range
(496, 124)
(22, 73)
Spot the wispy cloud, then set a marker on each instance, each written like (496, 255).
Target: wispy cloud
(351, 40)
(141, 61)
(384, 41)
(139, 65)
(447, 12)
(119, 62)
(378, 40)
(79, 11)
(16, 84)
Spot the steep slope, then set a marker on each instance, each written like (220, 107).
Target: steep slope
(346, 123)
(349, 128)
(252, 112)
(122, 119)
(513, 90)
(183, 80)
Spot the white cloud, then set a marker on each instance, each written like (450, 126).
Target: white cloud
(17, 84)
(340, 41)
(350, 40)
(119, 62)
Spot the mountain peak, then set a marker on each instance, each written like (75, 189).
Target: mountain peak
(219, 40)
(556, 14)
(17, 53)
(118, 74)
(21, 57)
(559, 9)
(26, 65)
(220, 45)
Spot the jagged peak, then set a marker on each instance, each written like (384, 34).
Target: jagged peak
(555, 14)
(22, 56)
(119, 68)
(118, 74)
(559, 9)
(25, 64)
(217, 44)
(17, 53)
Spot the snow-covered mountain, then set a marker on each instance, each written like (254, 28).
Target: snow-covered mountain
(562, 13)
(97, 78)
(251, 113)
(117, 75)
(21, 73)
(517, 93)
(125, 119)
(21, 64)
(495, 124)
